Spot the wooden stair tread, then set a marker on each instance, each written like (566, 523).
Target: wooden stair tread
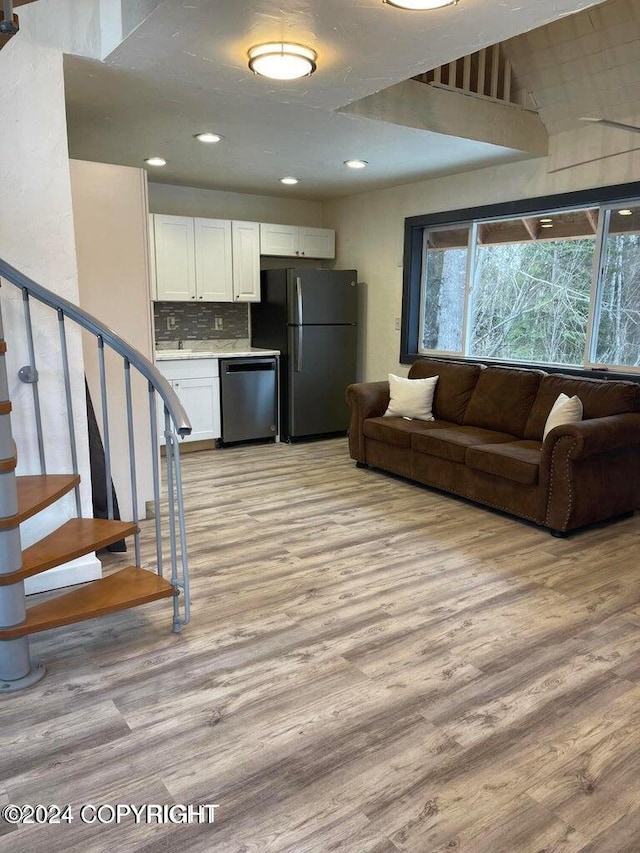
(76, 537)
(37, 491)
(121, 590)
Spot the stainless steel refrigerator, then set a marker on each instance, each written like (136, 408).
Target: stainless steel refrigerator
(310, 315)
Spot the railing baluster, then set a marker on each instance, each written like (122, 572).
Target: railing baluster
(169, 438)
(67, 391)
(132, 457)
(105, 428)
(155, 451)
(183, 536)
(34, 379)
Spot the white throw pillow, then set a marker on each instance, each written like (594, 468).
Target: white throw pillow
(411, 398)
(565, 410)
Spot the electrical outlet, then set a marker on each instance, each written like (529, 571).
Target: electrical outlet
(171, 323)
(218, 324)
(397, 324)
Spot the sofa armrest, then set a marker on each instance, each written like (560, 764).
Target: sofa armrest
(598, 435)
(593, 470)
(367, 400)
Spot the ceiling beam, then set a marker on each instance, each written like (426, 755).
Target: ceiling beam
(425, 107)
(531, 226)
(593, 222)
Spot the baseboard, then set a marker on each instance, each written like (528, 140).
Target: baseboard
(82, 570)
(192, 446)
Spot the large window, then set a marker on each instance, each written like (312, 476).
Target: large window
(560, 286)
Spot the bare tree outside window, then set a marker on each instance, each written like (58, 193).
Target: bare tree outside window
(445, 278)
(618, 334)
(531, 301)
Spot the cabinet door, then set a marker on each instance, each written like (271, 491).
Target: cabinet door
(246, 261)
(317, 242)
(175, 258)
(201, 400)
(214, 281)
(278, 240)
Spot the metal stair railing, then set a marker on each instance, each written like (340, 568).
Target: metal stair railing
(176, 425)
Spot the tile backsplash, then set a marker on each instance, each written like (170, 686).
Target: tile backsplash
(183, 321)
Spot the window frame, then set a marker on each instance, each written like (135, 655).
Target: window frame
(605, 198)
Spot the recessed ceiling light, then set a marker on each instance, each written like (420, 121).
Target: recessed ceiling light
(356, 164)
(420, 4)
(547, 225)
(282, 61)
(155, 161)
(289, 180)
(208, 137)
(546, 220)
(625, 212)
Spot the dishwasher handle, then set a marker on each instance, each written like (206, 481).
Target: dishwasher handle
(238, 365)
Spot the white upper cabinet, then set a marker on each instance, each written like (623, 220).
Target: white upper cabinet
(214, 264)
(317, 242)
(175, 262)
(246, 261)
(205, 260)
(278, 240)
(292, 241)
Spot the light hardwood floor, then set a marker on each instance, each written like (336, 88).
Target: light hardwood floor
(371, 667)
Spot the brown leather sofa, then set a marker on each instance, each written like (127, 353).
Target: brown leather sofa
(486, 443)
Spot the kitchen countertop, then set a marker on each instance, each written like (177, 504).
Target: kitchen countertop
(233, 352)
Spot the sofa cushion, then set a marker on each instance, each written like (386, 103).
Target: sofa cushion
(455, 385)
(502, 399)
(599, 399)
(411, 398)
(518, 461)
(452, 443)
(565, 410)
(398, 431)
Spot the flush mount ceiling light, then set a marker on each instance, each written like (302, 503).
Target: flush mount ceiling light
(356, 164)
(155, 161)
(420, 4)
(282, 60)
(625, 212)
(208, 137)
(289, 180)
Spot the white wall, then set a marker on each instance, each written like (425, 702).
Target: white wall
(216, 204)
(370, 233)
(110, 216)
(36, 236)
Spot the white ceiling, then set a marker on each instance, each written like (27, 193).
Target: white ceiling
(183, 70)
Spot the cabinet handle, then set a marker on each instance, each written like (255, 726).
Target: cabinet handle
(193, 297)
(199, 297)
(176, 384)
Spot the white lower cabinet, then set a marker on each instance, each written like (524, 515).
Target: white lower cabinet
(197, 384)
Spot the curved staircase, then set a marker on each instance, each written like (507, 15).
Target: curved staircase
(22, 497)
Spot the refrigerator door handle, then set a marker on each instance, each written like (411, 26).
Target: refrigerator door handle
(298, 365)
(299, 299)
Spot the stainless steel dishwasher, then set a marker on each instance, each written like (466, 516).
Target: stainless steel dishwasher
(248, 398)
